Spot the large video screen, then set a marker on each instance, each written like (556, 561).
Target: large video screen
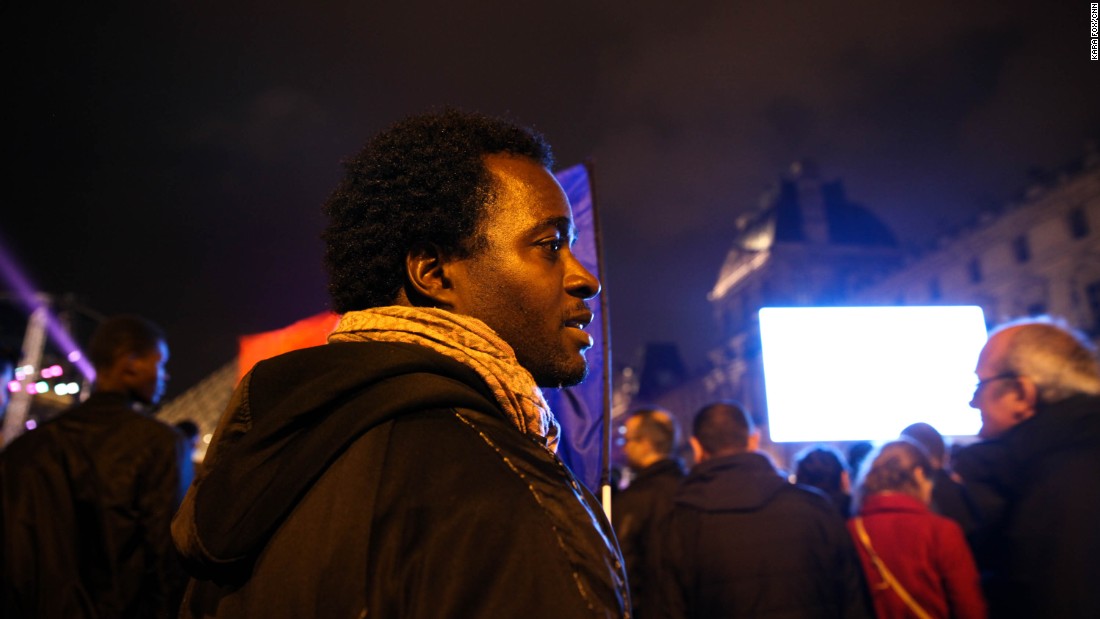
(865, 373)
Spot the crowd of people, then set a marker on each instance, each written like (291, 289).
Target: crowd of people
(1005, 528)
(408, 468)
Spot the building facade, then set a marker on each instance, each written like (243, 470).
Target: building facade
(807, 245)
(1040, 254)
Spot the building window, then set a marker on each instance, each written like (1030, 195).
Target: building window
(1021, 249)
(974, 270)
(934, 289)
(1078, 223)
(1092, 292)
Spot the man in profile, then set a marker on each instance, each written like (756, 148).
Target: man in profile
(650, 438)
(408, 468)
(743, 542)
(1035, 477)
(87, 498)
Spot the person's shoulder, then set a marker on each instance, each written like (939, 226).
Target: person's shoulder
(659, 475)
(454, 436)
(447, 453)
(810, 499)
(27, 445)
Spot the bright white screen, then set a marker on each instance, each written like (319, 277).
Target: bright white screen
(865, 373)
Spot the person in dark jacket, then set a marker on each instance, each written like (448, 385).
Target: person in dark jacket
(649, 440)
(87, 498)
(1034, 478)
(408, 468)
(743, 542)
(949, 496)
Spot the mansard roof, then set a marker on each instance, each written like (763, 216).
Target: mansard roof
(783, 216)
(800, 210)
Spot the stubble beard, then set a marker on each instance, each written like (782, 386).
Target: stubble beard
(555, 373)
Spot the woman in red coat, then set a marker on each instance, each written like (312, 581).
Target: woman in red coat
(917, 563)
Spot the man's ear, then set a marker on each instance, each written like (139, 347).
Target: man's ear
(697, 450)
(127, 369)
(128, 364)
(1027, 393)
(754, 441)
(428, 278)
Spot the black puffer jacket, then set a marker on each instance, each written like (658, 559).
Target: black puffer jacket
(743, 542)
(382, 480)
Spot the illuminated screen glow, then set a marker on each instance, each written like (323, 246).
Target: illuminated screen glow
(865, 373)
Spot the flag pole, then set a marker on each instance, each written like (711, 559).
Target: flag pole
(605, 328)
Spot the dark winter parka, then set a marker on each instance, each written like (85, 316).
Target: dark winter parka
(382, 480)
(743, 542)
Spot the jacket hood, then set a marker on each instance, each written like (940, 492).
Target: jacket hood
(741, 482)
(290, 418)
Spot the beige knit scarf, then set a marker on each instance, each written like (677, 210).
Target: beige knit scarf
(470, 342)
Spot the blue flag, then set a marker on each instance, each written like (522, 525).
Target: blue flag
(583, 410)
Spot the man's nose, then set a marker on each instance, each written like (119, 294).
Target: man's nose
(580, 282)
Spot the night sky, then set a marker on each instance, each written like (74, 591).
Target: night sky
(170, 158)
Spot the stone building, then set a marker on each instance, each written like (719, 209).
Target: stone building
(807, 244)
(1039, 254)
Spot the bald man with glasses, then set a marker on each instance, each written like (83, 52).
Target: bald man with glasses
(1035, 475)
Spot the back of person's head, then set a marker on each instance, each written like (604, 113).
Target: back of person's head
(722, 428)
(188, 428)
(822, 467)
(420, 183)
(123, 335)
(658, 427)
(857, 452)
(893, 468)
(930, 439)
(1061, 361)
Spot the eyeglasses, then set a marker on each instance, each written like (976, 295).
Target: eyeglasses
(985, 381)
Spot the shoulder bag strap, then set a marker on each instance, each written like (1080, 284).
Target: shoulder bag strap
(886, 574)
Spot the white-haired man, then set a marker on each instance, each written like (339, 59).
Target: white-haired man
(1036, 477)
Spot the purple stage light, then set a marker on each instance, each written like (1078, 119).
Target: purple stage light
(31, 301)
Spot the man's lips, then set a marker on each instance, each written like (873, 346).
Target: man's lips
(579, 320)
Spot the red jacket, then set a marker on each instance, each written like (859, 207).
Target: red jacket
(926, 553)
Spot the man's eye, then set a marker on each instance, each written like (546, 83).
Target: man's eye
(555, 244)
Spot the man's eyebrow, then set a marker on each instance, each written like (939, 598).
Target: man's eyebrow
(563, 224)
